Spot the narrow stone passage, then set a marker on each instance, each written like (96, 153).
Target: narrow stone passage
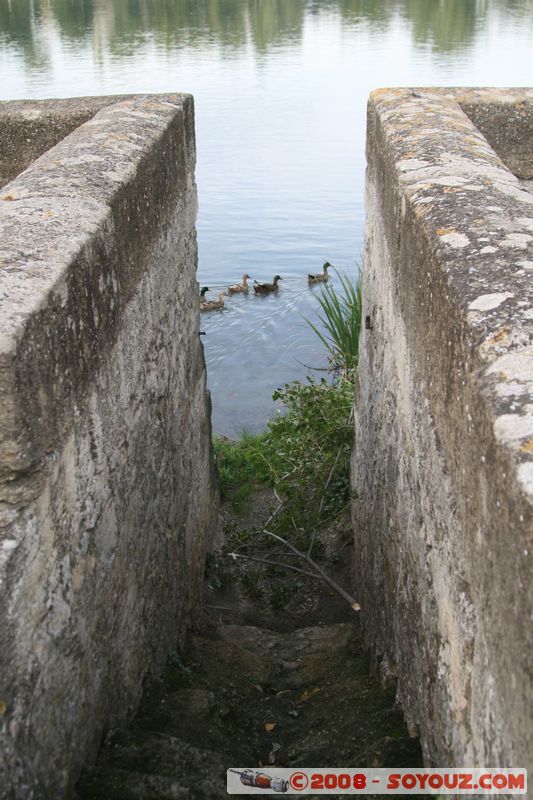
(275, 673)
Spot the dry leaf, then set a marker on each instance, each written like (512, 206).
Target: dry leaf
(270, 726)
(308, 693)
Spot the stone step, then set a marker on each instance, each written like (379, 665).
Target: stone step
(302, 657)
(250, 696)
(153, 766)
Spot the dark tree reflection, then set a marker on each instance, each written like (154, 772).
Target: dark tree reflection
(232, 25)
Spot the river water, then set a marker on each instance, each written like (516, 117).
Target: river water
(280, 88)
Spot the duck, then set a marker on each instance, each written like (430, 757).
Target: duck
(240, 287)
(265, 288)
(321, 277)
(210, 305)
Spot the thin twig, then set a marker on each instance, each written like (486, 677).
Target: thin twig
(245, 543)
(288, 474)
(276, 512)
(276, 564)
(342, 547)
(276, 550)
(311, 543)
(269, 465)
(332, 470)
(269, 520)
(330, 476)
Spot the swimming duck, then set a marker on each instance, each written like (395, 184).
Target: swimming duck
(240, 287)
(321, 277)
(265, 288)
(210, 305)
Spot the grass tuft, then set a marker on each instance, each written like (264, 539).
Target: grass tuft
(241, 466)
(341, 322)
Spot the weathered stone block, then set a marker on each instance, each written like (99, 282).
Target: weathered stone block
(443, 459)
(28, 128)
(107, 490)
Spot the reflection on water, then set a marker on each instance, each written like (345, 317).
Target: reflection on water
(280, 89)
(123, 25)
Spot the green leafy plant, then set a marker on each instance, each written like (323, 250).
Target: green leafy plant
(303, 454)
(313, 440)
(341, 324)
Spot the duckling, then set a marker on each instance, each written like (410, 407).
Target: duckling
(265, 288)
(210, 305)
(321, 277)
(240, 287)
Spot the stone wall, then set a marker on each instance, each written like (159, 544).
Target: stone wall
(106, 472)
(443, 459)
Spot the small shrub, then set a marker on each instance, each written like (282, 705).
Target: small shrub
(313, 439)
(303, 453)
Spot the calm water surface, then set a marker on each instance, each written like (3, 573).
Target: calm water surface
(280, 88)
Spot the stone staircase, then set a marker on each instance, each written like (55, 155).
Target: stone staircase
(277, 692)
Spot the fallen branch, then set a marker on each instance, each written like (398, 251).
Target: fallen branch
(275, 564)
(325, 577)
(317, 574)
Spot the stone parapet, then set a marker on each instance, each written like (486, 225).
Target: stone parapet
(107, 488)
(31, 127)
(443, 460)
